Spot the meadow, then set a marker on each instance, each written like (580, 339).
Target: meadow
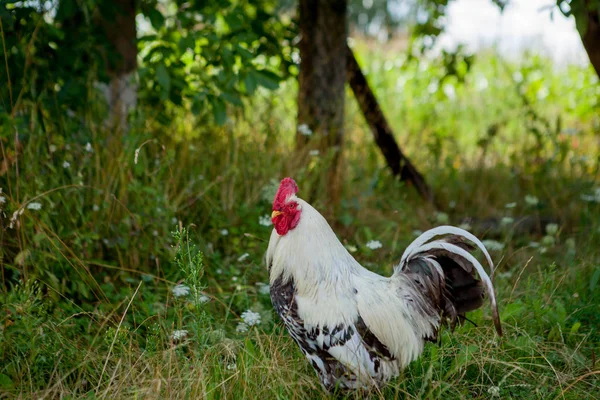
(132, 265)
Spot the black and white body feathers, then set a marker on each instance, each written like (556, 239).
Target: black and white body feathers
(357, 328)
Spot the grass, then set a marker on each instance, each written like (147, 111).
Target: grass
(87, 307)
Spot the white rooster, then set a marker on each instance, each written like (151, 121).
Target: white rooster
(359, 329)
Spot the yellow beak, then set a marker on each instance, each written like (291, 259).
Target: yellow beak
(275, 214)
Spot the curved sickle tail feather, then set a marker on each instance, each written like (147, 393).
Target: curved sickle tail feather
(449, 268)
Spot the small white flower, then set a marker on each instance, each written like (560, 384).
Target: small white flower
(155, 233)
(219, 271)
(374, 244)
(52, 148)
(243, 257)
(551, 229)
(351, 248)
(595, 197)
(251, 318)
(313, 153)
(303, 129)
(263, 288)
(493, 245)
(2, 199)
(507, 221)
(203, 299)
(442, 218)
(179, 334)
(494, 391)
(231, 367)
(33, 206)
(548, 241)
(174, 220)
(234, 278)
(66, 164)
(241, 327)
(89, 148)
(224, 232)
(96, 207)
(180, 290)
(511, 205)
(265, 220)
(531, 200)
(466, 226)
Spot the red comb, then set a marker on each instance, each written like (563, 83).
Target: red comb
(287, 188)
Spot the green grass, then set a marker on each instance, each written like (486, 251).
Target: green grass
(87, 308)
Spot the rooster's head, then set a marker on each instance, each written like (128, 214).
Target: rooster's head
(286, 211)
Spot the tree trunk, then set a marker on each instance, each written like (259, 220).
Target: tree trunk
(589, 30)
(384, 137)
(321, 92)
(120, 29)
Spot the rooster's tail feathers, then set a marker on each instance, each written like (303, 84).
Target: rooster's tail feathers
(454, 265)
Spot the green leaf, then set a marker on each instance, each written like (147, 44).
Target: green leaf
(164, 80)
(5, 381)
(266, 79)
(232, 98)
(219, 111)
(156, 18)
(250, 83)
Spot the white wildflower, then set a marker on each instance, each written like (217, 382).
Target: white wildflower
(52, 148)
(493, 245)
(374, 244)
(510, 205)
(231, 367)
(303, 129)
(494, 391)
(241, 327)
(531, 200)
(251, 318)
(155, 233)
(263, 288)
(179, 334)
(224, 232)
(265, 220)
(66, 164)
(551, 229)
(174, 220)
(442, 217)
(351, 248)
(180, 290)
(89, 148)
(33, 206)
(313, 153)
(466, 226)
(2, 199)
(548, 241)
(203, 299)
(219, 271)
(570, 243)
(243, 257)
(507, 221)
(595, 197)
(96, 207)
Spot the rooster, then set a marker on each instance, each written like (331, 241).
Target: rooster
(356, 328)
